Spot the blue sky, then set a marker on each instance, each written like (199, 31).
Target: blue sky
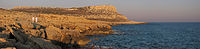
(138, 10)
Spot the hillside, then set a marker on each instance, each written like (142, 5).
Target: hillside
(101, 12)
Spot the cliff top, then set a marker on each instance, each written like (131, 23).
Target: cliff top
(100, 12)
(103, 7)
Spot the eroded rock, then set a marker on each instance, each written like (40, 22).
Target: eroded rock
(53, 33)
(3, 40)
(43, 44)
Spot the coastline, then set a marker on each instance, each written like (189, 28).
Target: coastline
(57, 28)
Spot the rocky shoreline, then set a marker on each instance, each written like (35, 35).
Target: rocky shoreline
(57, 28)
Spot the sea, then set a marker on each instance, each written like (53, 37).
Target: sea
(155, 35)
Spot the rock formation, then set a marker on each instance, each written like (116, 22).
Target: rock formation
(102, 12)
(57, 28)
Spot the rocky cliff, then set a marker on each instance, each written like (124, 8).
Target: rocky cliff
(57, 28)
(101, 12)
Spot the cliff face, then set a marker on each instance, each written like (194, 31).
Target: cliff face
(101, 12)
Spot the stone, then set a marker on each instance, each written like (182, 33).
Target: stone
(3, 40)
(23, 46)
(44, 44)
(83, 41)
(2, 29)
(72, 33)
(53, 33)
(26, 25)
(18, 34)
(4, 35)
(33, 32)
(42, 33)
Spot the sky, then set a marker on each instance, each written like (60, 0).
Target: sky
(137, 10)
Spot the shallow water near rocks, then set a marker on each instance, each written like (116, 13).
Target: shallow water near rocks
(181, 35)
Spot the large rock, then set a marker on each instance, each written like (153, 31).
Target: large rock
(53, 33)
(64, 35)
(21, 37)
(34, 32)
(72, 33)
(2, 29)
(25, 25)
(7, 42)
(3, 40)
(83, 41)
(44, 44)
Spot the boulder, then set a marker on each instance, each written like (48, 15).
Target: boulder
(4, 35)
(25, 25)
(44, 44)
(53, 33)
(17, 34)
(7, 42)
(33, 32)
(83, 41)
(72, 33)
(2, 29)
(19, 45)
(3, 40)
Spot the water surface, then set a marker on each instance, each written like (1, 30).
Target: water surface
(180, 35)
